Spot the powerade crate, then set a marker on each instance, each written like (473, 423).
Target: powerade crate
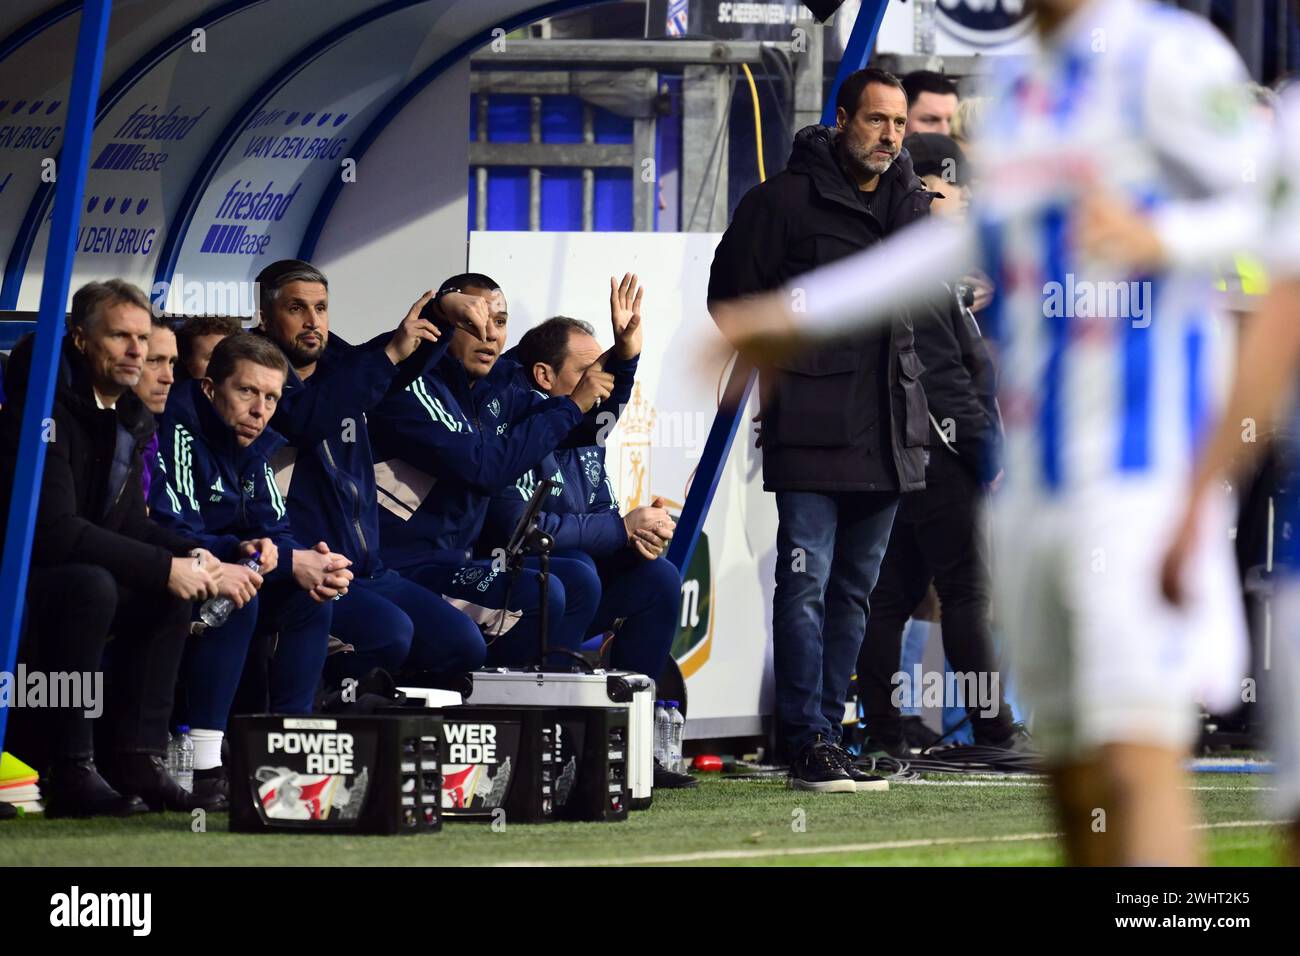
(498, 759)
(624, 690)
(591, 761)
(379, 774)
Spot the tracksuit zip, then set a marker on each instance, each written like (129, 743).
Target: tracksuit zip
(356, 496)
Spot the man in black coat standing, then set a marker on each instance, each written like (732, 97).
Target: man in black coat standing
(844, 424)
(100, 567)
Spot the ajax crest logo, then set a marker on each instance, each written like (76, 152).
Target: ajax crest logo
(591, 467)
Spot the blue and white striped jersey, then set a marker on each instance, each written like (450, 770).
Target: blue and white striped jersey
(1103, 374)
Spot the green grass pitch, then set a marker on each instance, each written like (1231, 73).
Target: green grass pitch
(943, 822)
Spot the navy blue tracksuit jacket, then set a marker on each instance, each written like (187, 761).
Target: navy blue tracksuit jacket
(581, 513)
(327, 469)
(442, 449)
(208, 488)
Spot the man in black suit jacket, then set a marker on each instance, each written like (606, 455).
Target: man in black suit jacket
(101, 567)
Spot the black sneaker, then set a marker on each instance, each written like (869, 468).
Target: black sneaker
(862, 781)
(817, 768)
(876, 747)
(1017, 741)
(212, 789)
(917, 734)
(666, 779)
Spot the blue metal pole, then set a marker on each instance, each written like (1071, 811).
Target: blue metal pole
(862, 40)
(700, 498)
(71, 187)
(735, 397)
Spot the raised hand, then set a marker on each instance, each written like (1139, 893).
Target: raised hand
(411, 332)
(625, 315)
(468, 312)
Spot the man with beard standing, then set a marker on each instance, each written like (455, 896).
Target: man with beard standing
(844, 423)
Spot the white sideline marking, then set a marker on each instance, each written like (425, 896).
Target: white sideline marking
(966, 783)
(1021, 783)
(844, 848)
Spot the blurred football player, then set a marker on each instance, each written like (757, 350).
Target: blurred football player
(1118, 168)
(1267, 372)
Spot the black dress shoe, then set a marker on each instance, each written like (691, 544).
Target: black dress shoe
(77, 790)
(666, 779)
(212, 789)
(146, 776)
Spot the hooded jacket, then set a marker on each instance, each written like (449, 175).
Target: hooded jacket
(92, 504)
(326, 471)
(960, 387)
(207, 487)
(849, 415)
(581, 512)
(442, 449)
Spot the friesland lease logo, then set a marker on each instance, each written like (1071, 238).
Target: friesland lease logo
(984, 22)
(137, 144)
(246, 205)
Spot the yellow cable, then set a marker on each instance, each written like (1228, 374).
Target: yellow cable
(758, 122)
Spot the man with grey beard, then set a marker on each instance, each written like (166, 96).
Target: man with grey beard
(844, 424)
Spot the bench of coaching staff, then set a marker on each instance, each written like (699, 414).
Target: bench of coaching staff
(844, 423)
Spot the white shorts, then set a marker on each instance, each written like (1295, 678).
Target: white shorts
(1096, 654)
(1281, 696)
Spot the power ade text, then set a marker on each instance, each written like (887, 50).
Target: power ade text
(326, 753)
(471, 743)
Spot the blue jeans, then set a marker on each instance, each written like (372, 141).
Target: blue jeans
(829, 549)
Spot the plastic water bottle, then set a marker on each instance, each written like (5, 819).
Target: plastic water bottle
(663, 733)
(180, 758)
(216, 611)
(675, 734)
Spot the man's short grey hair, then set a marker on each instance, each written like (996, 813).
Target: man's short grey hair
(271, 288)
(90, 301)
